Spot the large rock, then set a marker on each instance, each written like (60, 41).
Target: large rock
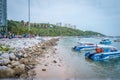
(1, 58)
(29, 67)
(6, 72)
(1, 53)
(15, 63)
(12, 51)
(12, 56)
(19, 55)
(5, 55)
(24, 61)
(28, 61)
(10, 66)
(25, 55)
(4, 61)
(19, 69)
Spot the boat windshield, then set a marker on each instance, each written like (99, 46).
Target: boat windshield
(105, 40)
(109, 49)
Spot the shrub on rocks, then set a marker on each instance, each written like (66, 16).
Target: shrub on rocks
(4, 48)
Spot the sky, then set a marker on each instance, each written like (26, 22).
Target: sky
(96, 15)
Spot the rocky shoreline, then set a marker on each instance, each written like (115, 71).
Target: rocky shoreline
(21, 63)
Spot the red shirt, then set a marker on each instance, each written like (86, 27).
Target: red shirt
(99, 50)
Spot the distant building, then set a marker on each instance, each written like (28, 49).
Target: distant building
(3, 13)
(59, 24)
(70, 26)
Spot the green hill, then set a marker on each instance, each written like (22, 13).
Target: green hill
(18, 28)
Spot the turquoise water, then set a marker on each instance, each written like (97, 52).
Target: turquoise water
(79, 67)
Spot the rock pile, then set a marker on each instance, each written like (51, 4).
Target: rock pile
(10, 65)
(16, 64)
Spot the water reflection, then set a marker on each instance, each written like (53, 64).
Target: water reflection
(107, 68)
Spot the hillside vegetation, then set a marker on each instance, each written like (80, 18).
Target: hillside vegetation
(17, 27)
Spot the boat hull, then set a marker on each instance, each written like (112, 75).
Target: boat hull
(106, 43)
(102, 56)
(79, 48)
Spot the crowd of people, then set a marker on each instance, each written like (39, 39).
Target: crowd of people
(11, 35)
(6, 35)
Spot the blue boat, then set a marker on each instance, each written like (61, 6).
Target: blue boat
(84, 46)
(108, 53)
(105, 41)
(117, 40)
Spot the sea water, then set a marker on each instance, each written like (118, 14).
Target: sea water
(80, 68)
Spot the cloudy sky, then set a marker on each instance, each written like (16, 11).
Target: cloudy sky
(96, 15)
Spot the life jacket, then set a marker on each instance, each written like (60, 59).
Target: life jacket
(99, 50)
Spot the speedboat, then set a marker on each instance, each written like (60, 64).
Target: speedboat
(117, 40)
(108, 53)
(105, 41)
(84, 46)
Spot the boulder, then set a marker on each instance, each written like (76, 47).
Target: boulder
(25, 55)
(4, 61)
(6, 72)
(10, 66)
(12, 51)
(1, 53)
(5, 55)
(24, 76)
(24, 61)
(54, 61)
(1, 58)
(19, 55)
(28, 61)
(12, 56)
(19, 69)
(15, 63)
(29, 67)
(43, 69)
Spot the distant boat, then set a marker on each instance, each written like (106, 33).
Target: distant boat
(108, 53)
(105, 41)
(117, 40)
(84, 46)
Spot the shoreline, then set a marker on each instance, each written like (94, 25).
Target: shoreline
(50, 65)
(26, 62)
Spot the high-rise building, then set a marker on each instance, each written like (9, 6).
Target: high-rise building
(3, 12)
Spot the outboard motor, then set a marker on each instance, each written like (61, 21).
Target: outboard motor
(74, 47)
(87, 54)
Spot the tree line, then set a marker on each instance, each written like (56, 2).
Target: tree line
(17, 27)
